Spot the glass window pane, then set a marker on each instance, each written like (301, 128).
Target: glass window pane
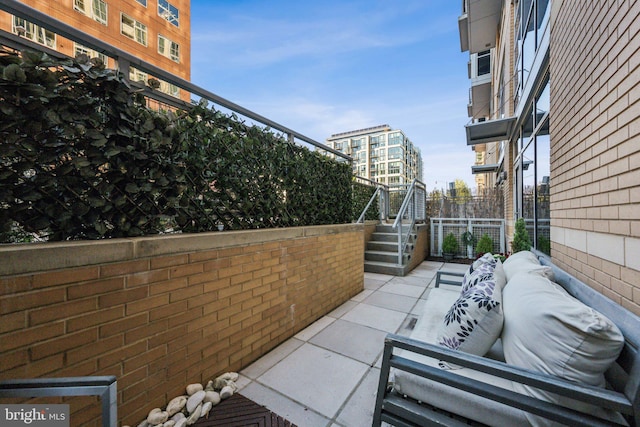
(543, 102)
(543, 204)
(528, 187)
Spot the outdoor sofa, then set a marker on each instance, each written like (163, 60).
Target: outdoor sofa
(548, 350)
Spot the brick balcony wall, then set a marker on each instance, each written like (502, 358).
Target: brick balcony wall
(162, 312)
(595, 145)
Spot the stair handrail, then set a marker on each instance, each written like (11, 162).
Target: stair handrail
(409, 206)
(383, 206)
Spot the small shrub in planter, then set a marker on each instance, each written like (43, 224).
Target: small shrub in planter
(449, 246)
(521, 241)
(485, 244)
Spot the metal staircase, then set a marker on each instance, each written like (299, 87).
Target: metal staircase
(391, 246)
(381, 254)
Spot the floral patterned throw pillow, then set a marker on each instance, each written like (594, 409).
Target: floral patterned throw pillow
(474, 322)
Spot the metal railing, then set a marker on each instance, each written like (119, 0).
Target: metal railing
(105, 387)
(125, 60)
(494, 227)
(413, 209)
(382, 194)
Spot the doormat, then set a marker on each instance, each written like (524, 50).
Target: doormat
(238, 411)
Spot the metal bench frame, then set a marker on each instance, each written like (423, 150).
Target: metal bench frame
(103, 386)
(623, 376)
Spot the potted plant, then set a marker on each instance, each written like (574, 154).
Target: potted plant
(468, 239)
(521, 241)
(449, 246)
(485, 244)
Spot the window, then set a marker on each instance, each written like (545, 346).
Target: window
(136, 75)
(169, 12)
(484, 62)
(395, 138)
(79, 49)
(133, 29)
(31, 31)
(96, 9)
(532, 170)
(395, 168)
(142, 2)
(169, 89)
(356, 144)
(168, 48)
(377, 141)
(396, 153)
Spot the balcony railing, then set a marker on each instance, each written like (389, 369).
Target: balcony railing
(125, 60)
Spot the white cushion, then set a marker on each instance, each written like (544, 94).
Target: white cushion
(474, 321)
(448, 398)
(525, 261)
(547, 330)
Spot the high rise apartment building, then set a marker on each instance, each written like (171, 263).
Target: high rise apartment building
(380, 153)
(556, 126)
(156, 31)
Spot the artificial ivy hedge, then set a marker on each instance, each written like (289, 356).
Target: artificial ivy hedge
(362, 194)
(82, 157)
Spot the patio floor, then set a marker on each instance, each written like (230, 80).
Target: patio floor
(327, 374)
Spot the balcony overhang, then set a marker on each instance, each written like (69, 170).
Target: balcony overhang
(480, 98)
(463, 28)
(479, 26)
(490, 131)
(477, 169)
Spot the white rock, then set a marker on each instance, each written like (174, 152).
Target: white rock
(194, 415)
(176, 404)
(170, 423)
(229, 376)
(157, 416)
(181, 422)
(212, 396)
(195, 400)
(209, 386)
(144, 423)
(179, 416)
(226, 392)
(193, 388)
(206, 407)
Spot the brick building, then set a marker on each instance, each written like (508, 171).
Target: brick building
(156, 31)
(556, 125)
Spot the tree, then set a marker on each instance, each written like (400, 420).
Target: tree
(463, 193)
(521, 241)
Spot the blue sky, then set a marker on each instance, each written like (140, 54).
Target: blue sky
(323, 67)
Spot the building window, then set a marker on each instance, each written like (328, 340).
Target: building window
(79, 49)
(532, 171)
(31, 31)
(396, 153)
(168, 48)
(395, 168)
(96, 9)
(169, 89)
(395, 138)
(136, 75)
(378, 141)
(133, 29)
(169, 12)
(484, 62)
(142, 2)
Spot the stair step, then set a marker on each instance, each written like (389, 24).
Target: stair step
(381, 256)
(384, 268)
(382, 246)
